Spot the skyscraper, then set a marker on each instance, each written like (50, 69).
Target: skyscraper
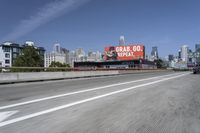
(197, 52)
(190, 55)
(72, 58)
(179, 54)
(170, 57)
(184, 53)
(154, 53)
(80, 54)
(122, 41)
(56, 48)
(197, 47)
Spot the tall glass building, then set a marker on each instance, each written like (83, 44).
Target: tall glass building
(122, 41)
(197, 52)
(154, 53)
(197, 47)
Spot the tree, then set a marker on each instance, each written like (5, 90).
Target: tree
(159, 63)
(54, 65)
(58, 64)
(28, 58)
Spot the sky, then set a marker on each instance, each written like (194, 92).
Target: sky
(94, 24)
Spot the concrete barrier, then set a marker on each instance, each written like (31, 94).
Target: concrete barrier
(39, 76)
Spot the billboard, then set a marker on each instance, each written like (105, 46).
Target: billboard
(129, 52)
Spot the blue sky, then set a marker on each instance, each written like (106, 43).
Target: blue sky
(94, 24)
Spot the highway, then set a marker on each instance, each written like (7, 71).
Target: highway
(160, 102)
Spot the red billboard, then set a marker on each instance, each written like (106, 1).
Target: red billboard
(129, 52)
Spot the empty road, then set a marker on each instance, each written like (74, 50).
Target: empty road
(160, 102)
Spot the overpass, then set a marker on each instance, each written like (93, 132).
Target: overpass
(140, 102)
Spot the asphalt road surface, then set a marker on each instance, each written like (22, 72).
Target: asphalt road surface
(161, 102)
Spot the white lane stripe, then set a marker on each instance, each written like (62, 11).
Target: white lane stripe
(78, 92)
(2, 124)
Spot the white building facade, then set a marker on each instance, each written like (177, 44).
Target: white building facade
(184, 53)
(5, 57)
(57, 57)
(8, 54)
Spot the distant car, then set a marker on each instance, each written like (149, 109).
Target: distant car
(196, 69)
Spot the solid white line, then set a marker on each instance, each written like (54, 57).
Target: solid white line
(2, 124)
(78, 92)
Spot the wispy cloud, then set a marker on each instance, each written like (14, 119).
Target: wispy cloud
(45, 14)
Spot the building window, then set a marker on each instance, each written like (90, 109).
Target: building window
(14, 55)
(15, 50)
(7, 61)
(7, 55)
(6, 49)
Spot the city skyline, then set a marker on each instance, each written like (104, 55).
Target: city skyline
(92, 25)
